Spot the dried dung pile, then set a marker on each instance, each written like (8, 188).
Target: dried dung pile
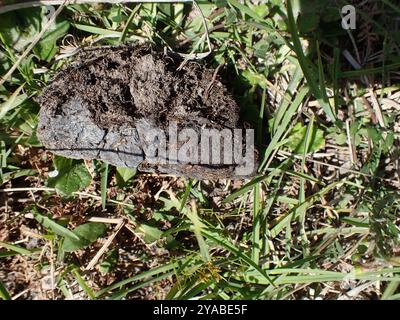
(105, 104)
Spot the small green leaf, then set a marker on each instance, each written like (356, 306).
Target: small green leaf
(53, 226)
(295, 141)
(109, 261)
(255, 79)
(124, 175)
(261, 50)
(47, 48)
(86, 234)
(151, 234)
(72, 176)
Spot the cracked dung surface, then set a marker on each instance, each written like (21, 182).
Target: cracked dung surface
(92, 109)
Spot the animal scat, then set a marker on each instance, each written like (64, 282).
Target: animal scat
(91, 108)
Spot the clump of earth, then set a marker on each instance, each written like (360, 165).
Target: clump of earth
(103, 104)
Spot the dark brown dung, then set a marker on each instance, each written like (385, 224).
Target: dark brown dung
(92, 109)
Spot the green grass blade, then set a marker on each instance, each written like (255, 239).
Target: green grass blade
(53, 226)
(156, 271)
(186, 194)
(283, 221)
(390, 290)
(246, 10)
(104, 181)
(82, 283)
(13, 101)
(198, 227)
(15, 248)
(306, 65)
(287, 99)
(283, 127)
(128, 22)
(239, 253)
(97, 30)
(390, 4)
(255, 253)
(4, 293)
(246, 188)
(122, 293)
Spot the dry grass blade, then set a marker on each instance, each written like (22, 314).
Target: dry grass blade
(105, 246)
